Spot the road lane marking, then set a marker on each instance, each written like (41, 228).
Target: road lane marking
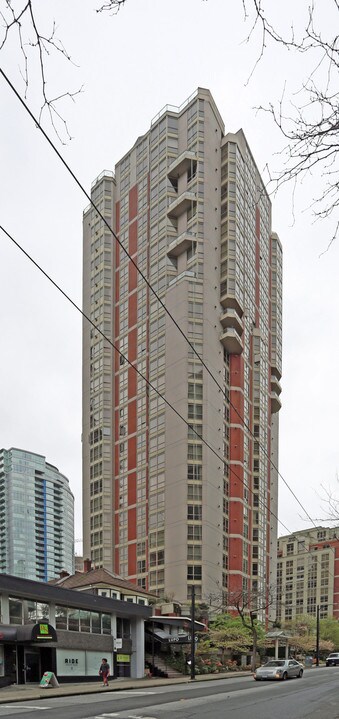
(133, 692)
(23, 706)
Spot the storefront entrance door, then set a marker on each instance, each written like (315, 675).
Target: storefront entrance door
(32, 666)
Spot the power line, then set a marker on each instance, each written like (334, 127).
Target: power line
(69, 299)
(188, 424)
(149, 285)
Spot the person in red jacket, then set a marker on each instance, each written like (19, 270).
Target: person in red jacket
(104, 672)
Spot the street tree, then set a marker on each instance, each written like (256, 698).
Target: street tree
(303, 632)
(252, 606)
(229, 634)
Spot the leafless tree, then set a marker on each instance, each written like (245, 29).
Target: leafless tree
(307, 116)
(20, 20)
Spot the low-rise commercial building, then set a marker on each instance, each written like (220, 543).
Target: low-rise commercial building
(48, 628)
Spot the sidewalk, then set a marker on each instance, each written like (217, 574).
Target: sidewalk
(26, 692)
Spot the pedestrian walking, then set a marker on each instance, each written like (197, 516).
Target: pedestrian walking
(104, 672)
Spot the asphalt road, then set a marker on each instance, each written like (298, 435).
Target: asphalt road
(316, 696)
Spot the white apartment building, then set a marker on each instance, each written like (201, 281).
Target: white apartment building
(165, 504)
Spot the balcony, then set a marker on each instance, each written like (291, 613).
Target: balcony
(229, 301)
(181, 204)
(231, 341)
(275, 403)
(180, 244)
(181, 164)
(230, 318)
(275, 385)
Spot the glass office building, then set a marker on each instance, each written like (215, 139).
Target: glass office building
(36, 517)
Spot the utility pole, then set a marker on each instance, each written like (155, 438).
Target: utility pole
(318, 633)
(193, 634)
(153, 647)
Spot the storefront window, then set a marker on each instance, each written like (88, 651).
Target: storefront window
(30, 612)
(73, 620)
(85, 621)
(60, 617)
(15, 611)
(96, 622)
(106, 623)
(42, 612)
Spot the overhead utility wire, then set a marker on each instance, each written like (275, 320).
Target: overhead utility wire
(149, 285)
(69, 299)
(148, 382)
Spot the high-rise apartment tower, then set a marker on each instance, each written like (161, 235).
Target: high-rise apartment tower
(37, 517)
(167, 502)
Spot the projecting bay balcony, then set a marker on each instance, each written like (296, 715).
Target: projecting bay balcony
(230, 318)
(275, 385)
(231, 341)
(229, 301)
(180, 244)
(181, 164)
(181, 204)
(275, 403)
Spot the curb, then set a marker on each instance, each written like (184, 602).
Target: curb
(27, 694)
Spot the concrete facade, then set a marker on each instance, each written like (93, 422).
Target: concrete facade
(308, 574)
(161, 506)
(84, 627)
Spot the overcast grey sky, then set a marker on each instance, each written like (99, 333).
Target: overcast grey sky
(131, 65)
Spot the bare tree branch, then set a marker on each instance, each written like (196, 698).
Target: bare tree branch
(111, 6)
(20, 19)
(308, 118)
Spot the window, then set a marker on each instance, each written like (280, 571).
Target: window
(194, 491)
(194, 431)
(96, 622)
(194, 511)
(73, 620)
(194, 471)
(194, 532)
(195, 411)
(197, 592)
(194, 572)
(194, 452)
(85, 621)
(106, 624)
(194, 391)
(15, 611)
(194, 552)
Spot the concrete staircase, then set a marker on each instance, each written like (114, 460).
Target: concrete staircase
(161, 669)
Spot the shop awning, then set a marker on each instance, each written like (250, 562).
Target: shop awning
(39, 633)
(166, 638)
(7, 634)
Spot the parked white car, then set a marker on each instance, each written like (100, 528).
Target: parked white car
(279, 669)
